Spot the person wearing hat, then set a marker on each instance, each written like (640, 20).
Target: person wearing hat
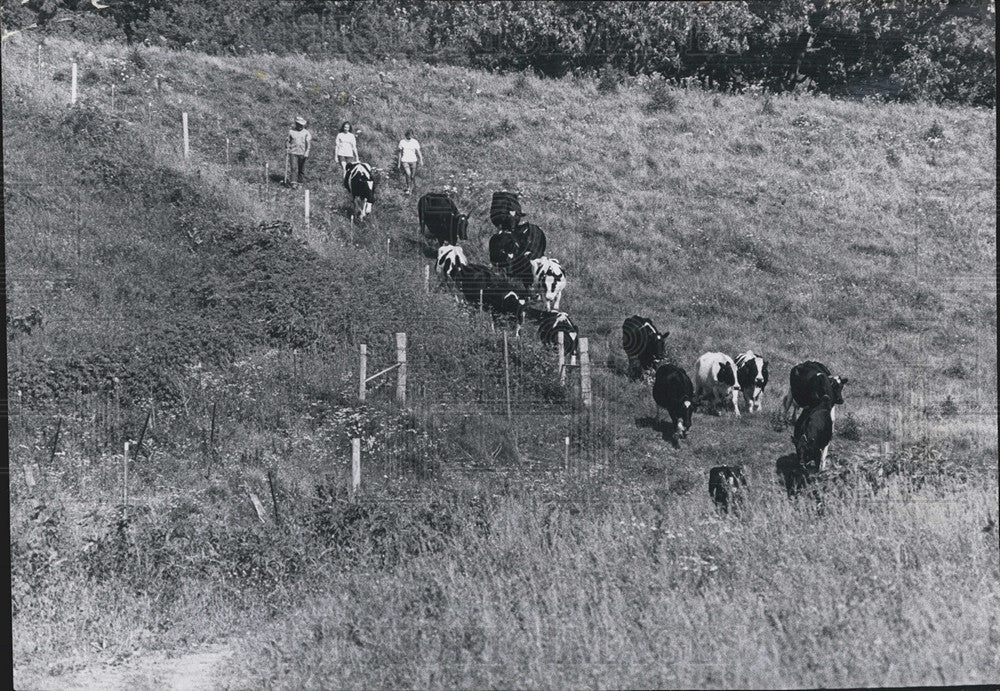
(297, 149)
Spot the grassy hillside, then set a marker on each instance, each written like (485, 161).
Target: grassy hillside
(858, 234)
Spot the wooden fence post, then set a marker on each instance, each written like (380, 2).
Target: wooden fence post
(306, 201)
(585, 372)
(566, 456)
(55, 442)
(125, 476)
(227, 151)
(401, 371)
(363, 377)
(267, 173)
(184, 127)
(560, 342)
(72, 87)
(355, 464)
(274, 498)
(427, 278)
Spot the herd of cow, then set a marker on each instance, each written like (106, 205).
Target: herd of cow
(520, 272)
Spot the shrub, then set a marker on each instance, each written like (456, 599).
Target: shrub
(661, 98)
(849, 428)
(608, 81)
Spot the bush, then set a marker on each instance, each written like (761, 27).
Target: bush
(661, 97)
(608, 81)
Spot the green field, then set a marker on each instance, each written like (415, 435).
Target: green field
(860, 234)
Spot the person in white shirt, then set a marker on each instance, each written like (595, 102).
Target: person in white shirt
(297, 151)
(408, 159)
(346, 146)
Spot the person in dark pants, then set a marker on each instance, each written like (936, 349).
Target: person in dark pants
(297, 149)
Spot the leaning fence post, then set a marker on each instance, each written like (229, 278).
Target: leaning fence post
(72, 88)
(274, 498)
(355, 464)
(585, 372)
(184, 127)
(363, 376)
(401, 371)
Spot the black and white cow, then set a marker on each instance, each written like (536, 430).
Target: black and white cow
(505, 210)
(439, 214)
(751, 375)
(808, 383)
(813, 433)
(498, 293)
(725, 486)
(530, 239)
(548, 280)
(450, 260)
(503, 249)
(550, 324)
(715, 379)
(674, 392)
(643, 344)
(360, 182)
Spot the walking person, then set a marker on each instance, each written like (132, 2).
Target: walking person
(297, 150)
(346, 146)
(408, 159)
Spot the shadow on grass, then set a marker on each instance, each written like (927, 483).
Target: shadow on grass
(662, 425)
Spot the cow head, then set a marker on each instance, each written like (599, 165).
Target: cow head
(727, 375)
(660, 345)
(462, 226)
(837, 389)
(684, 420)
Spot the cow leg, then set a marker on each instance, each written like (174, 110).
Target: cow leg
(822, 457)
(736, 402)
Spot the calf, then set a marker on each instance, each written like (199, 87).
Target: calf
(751, 375)
(548, 280)
(359, 181)
(725, 485)
(503, 249)
(451, 259)
(505, 210)
(530, 239)
(643, 344)
(439, 214)
(813, 432)
(808, 383)
(673, 391)
(715, 376)
(550, 324)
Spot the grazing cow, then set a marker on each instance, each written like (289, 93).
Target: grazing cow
(673, 391)
(438, 213)
(813, 432)
(715, 376)
(359, 181)
(808, 383)
(530, 239)
(503, 249)
(643, 344)
(498, 293)
(751, 375)
(548, 280)
(505, 210)
(550, 323)
(451, 259)
(724, 486)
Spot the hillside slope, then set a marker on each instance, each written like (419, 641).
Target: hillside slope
(858, 234)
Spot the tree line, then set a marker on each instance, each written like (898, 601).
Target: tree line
(936, 50)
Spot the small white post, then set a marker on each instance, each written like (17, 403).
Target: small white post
(267, 173)
(566, 456)
(387, 246)
(355, 464)
(427, 278)
(38, 59)
(227, 151)
(401, 370)
(560, 341)
(184, 126)
(585, 372)
(125, 475)
(307, 207)
(112, 97)
(363, 377)
(72, 88)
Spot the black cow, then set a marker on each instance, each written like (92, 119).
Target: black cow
(550, 324)
(505, 210)
(530, 239)
(439, 214)
(503, 249)
(812, 435)
(673, 390)
(360, 182)
(521, 270)
(751, 375)
(643, 344)
(725, 485)
(808, 383)
(498, 293)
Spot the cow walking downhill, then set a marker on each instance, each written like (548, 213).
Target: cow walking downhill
(643, 344)
(439, 219)
(360, 182)
(752, 376)
(808, 383)
(715, 379)
(674, 392)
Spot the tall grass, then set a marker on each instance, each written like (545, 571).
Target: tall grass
(805, 228)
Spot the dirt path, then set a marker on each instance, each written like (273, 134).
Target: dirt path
(198, 669)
